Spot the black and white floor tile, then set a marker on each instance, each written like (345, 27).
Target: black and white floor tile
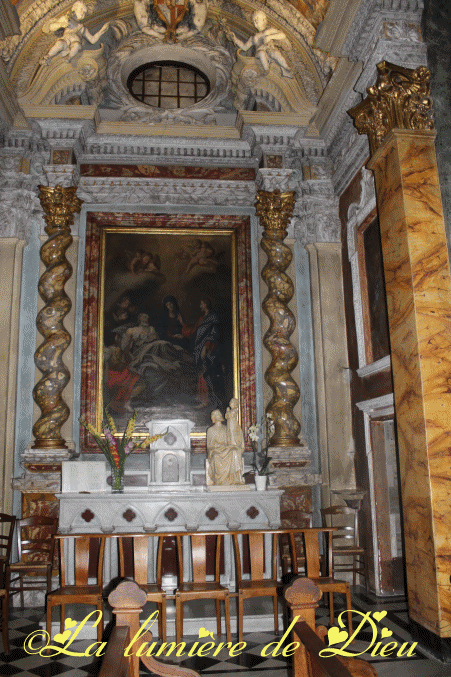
(25, 621)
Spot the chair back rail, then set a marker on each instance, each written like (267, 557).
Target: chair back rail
(140, 557)
(35, 547)
(32, 543)
(256, 540)
(6, 536)
(82, 554)
(340, 516)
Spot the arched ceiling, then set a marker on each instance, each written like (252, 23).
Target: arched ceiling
(298, 19)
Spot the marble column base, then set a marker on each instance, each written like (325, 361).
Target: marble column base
(291, 467)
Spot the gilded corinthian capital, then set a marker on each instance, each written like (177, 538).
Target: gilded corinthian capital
(59, 205)
(275, 209)
(398, 100)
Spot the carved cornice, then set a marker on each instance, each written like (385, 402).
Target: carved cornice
(121, 191)
(398, 100)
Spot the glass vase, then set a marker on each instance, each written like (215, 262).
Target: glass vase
(117, 480)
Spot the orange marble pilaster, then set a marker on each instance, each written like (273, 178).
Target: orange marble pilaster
(419, 308)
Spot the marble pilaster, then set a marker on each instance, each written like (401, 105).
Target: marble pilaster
(396, 117)
(418, 298)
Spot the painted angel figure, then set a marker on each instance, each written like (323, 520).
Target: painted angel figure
(70, 43)
(263, 41)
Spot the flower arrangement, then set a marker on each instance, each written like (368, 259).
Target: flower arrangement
(116, 449)
(259, 435)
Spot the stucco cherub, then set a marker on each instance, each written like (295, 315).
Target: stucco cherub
(198, 9)
(70, 42)
(263, 41)
(140, 9)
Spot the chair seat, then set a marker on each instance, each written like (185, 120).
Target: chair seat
(206, 588)
(30, 566)
(324, 582)
(153, 589)
(75, 591)
(347, 550)
(265, 583)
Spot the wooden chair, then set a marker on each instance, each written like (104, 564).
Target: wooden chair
(293, 519)
(35, 546)
(5, 619)
(81, 592)
(345, 540)
(6, 541)
(257, 585)
(140, 559)
(199, 587)
(320, 569)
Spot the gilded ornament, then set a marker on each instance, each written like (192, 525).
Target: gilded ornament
(400, 99)
(275, 210)
(59, 205)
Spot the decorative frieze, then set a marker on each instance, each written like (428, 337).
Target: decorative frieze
(315, 217)
(166, 191)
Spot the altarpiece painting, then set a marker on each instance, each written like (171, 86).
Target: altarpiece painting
(167, 319)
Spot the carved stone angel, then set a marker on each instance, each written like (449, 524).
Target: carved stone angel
(70, 42)
(263, 41)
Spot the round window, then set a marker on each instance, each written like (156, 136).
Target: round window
(168, 84)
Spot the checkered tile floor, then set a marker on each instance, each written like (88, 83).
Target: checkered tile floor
(25, 621)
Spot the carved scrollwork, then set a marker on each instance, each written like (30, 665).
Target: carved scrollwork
(398, 100)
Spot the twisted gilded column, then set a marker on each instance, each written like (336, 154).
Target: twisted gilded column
(274, 210)
(397, 118)
(59, 205)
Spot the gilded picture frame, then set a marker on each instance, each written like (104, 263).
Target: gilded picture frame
(168, 321)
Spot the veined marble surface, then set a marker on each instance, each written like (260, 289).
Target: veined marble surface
(418, 298)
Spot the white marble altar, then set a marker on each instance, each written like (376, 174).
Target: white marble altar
(172, 511)
(183, 511)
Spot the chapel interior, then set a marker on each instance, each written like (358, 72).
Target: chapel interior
(287, 160)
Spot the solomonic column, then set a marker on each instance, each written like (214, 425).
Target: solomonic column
(274, 210)
(396, 115)
(59, 205)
